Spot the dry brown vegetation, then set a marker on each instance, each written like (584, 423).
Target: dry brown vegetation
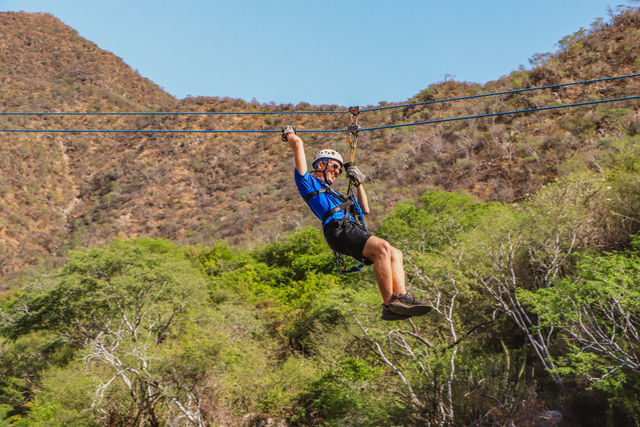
(62, 190)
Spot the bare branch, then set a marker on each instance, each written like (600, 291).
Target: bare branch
(414, 398)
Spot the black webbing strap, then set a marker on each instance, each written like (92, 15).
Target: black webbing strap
(344, 206)
(313, 194)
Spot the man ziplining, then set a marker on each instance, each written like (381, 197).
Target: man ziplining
(342, 231)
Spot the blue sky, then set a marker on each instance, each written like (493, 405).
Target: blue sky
(322, 52)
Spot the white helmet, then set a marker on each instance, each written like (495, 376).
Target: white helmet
(327, 154)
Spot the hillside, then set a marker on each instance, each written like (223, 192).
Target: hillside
(64, 190)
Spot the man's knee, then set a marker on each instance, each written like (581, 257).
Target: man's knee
(396, 254)
(386, 249)
(377, 248)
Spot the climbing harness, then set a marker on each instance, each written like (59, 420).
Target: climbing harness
(351, 208)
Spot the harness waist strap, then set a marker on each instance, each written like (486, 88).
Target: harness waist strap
(341, 207)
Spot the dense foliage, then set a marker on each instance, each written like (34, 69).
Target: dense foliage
(535, 309)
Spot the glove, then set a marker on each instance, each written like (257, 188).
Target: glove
(287, 130)
(354, 174)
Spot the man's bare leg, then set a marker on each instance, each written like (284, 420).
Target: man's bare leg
(379, 251)
(387, 266)
(389, 271)
(397, 269)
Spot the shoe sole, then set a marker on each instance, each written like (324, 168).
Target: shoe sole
(409, 310)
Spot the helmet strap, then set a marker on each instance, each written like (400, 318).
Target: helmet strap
(324, 171)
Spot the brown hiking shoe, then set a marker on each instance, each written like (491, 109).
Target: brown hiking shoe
(390, 315)
(407, 305)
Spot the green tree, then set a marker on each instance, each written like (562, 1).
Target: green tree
(117, 305)
(442, 235)
(597, 311)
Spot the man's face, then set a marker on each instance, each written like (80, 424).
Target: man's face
(333, 170)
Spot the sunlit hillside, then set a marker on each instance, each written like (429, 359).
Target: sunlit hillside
(64, 190)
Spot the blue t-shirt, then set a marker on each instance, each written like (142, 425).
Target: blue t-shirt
(321, 203)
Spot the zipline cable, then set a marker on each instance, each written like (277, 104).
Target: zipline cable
(438, 101)
(478, 116)
(169, 131)
(283, 112)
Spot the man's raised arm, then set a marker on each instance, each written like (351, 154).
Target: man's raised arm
(296, 144)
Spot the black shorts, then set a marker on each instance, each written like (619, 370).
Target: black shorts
(348, 238)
